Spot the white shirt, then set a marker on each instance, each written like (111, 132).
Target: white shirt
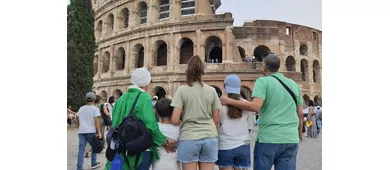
(233, 133)
(167, 161)
(109, 108)
(86, 116)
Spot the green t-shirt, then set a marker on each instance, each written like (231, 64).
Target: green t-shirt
(197, 103)
(278, 121)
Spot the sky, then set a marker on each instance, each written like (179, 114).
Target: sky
(302, 12)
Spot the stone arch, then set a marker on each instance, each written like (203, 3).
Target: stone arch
(95, 64)
(306, 99)
(123, 19)
(139, 52)
(246, 92)
(213, 49)
(316, 72)
(218, 90)
(164, 9)
(103, 96)
(318, 100)
(117, 93)
(110, 24)
(260, 52)
(186, 50)
(242, 53)
(160, 92)
(160, 53)
(142, 12)
(99, 30)
(305, 70)
(290, 63)
(303, 49)
(120, 59)
(106, 62)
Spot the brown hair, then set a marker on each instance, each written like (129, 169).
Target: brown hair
(163, 107)
(234, 112)
(195, 70)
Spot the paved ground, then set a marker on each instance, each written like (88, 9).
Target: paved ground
(309, 153)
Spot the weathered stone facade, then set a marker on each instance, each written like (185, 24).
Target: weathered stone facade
(138, 33)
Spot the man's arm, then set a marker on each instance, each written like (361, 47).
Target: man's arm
(97, 124)
(300, 116)
(175, 119)
(253, 106)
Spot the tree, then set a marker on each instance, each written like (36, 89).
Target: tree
(81, 48)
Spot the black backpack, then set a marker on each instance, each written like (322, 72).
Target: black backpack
(107, 120)
(131, 137)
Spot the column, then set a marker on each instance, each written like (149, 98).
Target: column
(153, 11)
(112, 53)
(128, 57)
(134, 15)
(175, 9)
(198, 44)
(100, 63)
(147, 52)
(171, 50)
(203, 7)
(227, 52)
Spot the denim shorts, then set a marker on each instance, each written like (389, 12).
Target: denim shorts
(239, 157)
(202, 150)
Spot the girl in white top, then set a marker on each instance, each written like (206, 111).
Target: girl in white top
(167, 161)
(234, 141)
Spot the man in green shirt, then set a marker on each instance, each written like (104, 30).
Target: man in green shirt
(280, 121)
(144, 111)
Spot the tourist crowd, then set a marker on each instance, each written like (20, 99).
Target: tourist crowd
(199, 128)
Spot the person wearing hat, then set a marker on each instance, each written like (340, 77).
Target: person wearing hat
(140, 79)
(279, 102)
(88, 117)
(233, 137)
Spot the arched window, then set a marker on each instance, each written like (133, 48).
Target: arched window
(186, 50)
(246, 92)
(290, 63)
(213, 49)
(139, 55)
(120, 59)
(260, 52)
(164, 9)
(162, 52)
(304, 70)
(117, 93)
(124, 18)
(110, 24)
(242, 53)
(143, 12)
(306, 99)
(99, 29)
(160, 92)
(316, 72)
(106, 62)
(95, 64)
(303, 49)
(103, 96)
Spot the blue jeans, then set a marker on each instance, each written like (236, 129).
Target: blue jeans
(83, 139)
(146, 161)
(283, 156)
(239, 157)
(201, 150)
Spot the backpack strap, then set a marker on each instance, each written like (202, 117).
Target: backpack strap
(288, 89)
(135, 103)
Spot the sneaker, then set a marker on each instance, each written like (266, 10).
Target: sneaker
(96, 165)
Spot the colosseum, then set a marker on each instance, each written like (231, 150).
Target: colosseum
(161, 35)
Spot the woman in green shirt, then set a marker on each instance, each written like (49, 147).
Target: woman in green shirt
(198, 143)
